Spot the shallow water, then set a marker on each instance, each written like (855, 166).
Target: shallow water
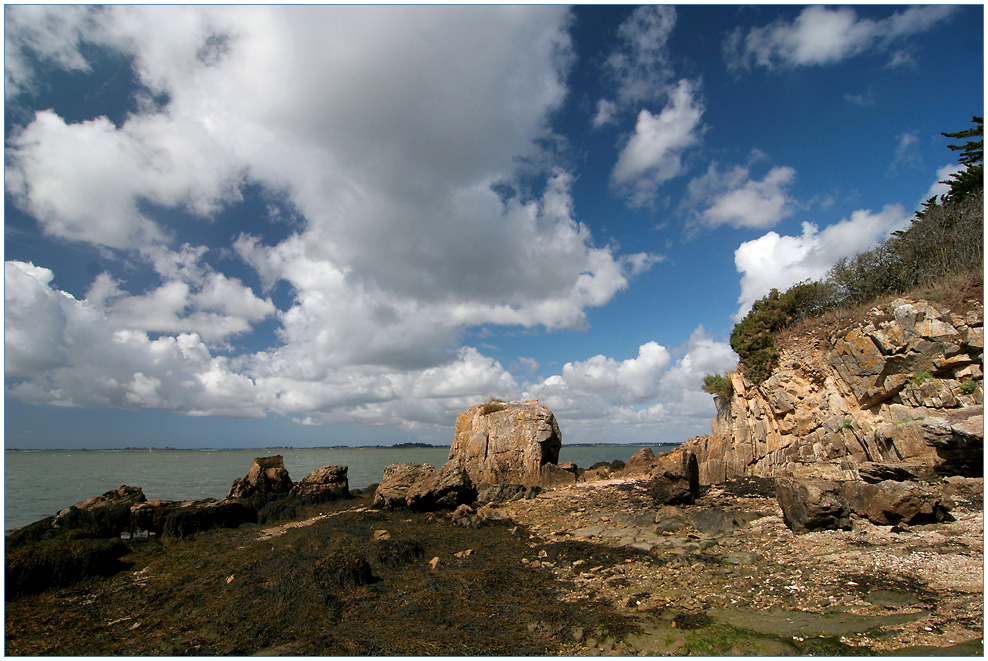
(40, 483)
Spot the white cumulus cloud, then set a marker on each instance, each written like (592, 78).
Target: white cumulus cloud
(654, 152)
(734, 198)
(780, 261)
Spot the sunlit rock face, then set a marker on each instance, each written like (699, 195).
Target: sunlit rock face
(508, 443)
(867, 394)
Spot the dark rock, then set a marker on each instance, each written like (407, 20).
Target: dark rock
(503, 493)
(671, 519)
(891, 502)
(35, 568)
(718, 522)
(324, 484)
(200, 515)
(34, 532)
(267, 476)
(958, 437)
(445, 488)
(398, 478)
(675, 480)
(812, 504)
(277, 510)
(106, 515)
(341, 571)
(396, 553)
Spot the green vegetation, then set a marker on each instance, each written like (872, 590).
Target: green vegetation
(945, 238)
(718, 385)
(919, 378)
(969, 387)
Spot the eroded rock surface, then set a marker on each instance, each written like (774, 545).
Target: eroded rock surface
(267, 476)
(866, 395)
(508, 443)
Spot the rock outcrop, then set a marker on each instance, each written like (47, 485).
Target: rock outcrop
(267, 476)
(675, 480)
(323, 484)
(508, 443)
(867, 395)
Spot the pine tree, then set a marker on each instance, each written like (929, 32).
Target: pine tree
(971, 178)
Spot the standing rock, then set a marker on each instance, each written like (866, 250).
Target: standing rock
(267, 476)
(812, 504)
(324, 484)
(506, 442)
(675, 480)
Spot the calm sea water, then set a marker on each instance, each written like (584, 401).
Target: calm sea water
(40, 483)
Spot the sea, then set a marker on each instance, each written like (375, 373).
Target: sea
(39, 483)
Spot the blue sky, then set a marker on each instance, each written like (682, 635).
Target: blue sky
(317, 225)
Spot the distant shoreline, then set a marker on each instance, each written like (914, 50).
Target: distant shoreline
(398, 446)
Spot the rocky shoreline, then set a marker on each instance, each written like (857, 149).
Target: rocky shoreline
(502, 551)
(591, 568)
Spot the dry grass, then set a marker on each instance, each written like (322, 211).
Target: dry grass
(955, 292)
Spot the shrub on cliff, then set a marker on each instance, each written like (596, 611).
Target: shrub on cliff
(753, 339)
(718, 385)
(946, 237)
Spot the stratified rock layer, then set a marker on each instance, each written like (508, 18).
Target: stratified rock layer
(863, 396)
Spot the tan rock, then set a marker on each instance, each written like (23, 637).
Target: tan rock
(508, 443)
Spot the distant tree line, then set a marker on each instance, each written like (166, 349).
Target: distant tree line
(945, 237)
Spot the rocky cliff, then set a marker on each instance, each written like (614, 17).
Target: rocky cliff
(866, 395)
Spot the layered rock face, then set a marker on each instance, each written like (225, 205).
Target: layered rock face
(878, 393)
(508, 443)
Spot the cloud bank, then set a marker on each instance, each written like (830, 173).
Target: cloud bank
(399, 161)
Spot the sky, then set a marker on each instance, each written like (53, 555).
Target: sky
(245, 226)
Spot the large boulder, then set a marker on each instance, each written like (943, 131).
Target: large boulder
(959, 439)
(891, 502)
(267, 477)
(446, 488)
(810, 504)
(195, 516)
(106, 515)
(507, 443)
(324, 484)
(675, 479)
(398, 478)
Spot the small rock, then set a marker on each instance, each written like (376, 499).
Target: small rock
(434, 563)
(464, 554)
(381, 534)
